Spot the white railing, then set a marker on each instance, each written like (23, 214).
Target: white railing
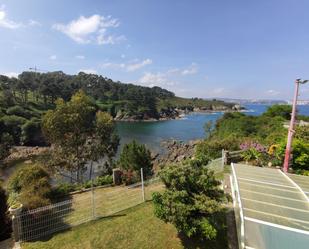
(238, 205)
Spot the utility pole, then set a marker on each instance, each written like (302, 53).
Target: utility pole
(291, 128)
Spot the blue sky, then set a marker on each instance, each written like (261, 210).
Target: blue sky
(202, 48)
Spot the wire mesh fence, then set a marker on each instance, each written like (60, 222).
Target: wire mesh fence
(86, 206)
(80, 208)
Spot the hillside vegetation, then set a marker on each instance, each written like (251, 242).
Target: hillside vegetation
(25, 99)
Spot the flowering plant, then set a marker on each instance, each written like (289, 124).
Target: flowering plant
(254, 152)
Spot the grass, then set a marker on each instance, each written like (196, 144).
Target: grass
(134, 228)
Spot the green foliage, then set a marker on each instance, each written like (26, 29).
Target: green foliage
(4, 219)
(212, 148)
(135, 156)
(283, 111)
(66, 188)
(79, 134)
(31, 184)
(302, 133)
(191, 201)
(208, 126)
(31, 133)
(6, 142)
(12, 125)
(32, 94)
(300, 151)
(18, 111)
(303, 118)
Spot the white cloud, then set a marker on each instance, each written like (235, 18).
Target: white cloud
(80, 57)
(192, 69)
(272, 92)
(89, 71)
(10, 74)
(104, 39)
(173, 71)
(113, 65)
(34, 23)
(136, 66)
(155, 79)
(6, 22)
(92, 29)
(53, 57)
(130, 66)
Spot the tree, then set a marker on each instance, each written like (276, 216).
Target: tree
(192, 199)
(283, 111)
(135, 156)
(208, 126)
(13, 125)
(6, 142)
(31, 133)
(30, 185)
(78, 134)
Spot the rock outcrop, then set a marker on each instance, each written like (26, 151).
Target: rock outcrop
(176, 151)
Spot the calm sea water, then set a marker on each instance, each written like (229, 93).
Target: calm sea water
(188, 128)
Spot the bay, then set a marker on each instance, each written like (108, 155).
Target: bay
(188, 128)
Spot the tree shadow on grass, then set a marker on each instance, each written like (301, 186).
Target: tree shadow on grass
(221, 241)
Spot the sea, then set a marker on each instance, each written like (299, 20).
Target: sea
(190, 127)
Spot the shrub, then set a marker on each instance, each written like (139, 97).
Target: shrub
(283, 111)
(192, 199)
(129, 177)
(5, 222)
(31, 183)
(255, 153)
(66, 188)
(300, 154)
(213, 148)
(103, 180)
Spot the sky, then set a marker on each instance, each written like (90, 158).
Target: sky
(195, 48)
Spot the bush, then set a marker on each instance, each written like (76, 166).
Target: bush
(67, 188)
(130, 177)
(135, 156)
(31, 184)
(300, 154)
(192, 199)
(283, 111)
(103, 180)
(213, 148)
(5, 221)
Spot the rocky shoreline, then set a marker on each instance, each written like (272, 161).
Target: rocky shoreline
(174, 114)
(176, 152)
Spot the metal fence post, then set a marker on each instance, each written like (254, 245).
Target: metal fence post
(93, 201)
(16, 223)
(223, 159)
(143, 189)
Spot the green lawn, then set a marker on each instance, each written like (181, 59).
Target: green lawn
(134, 228)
